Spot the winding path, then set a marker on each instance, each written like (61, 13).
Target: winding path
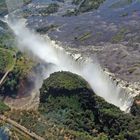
(3, 78)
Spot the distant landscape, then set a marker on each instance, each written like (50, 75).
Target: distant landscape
(70, 70)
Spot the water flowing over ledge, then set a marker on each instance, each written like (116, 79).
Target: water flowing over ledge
(51, 53)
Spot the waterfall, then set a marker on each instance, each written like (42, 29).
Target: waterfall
(49, 52)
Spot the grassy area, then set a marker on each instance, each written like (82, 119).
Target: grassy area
(83, 37)
(120, 35)
(7, 41)
(3, 107)
(23, 64)
(7, 60)
(84, 6)
(52, 8)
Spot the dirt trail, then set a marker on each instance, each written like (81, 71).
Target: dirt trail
(3, 78)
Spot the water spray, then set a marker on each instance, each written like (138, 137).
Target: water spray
(49, 52)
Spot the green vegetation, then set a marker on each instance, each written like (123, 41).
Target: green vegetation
(49, 129)
(13, 61)
(52, 8)
(26, 1)
(135, 109)
(70, 12)
(62, 115)
(83, 37)
(26, 13)
(3, 107)
(70, 109)
(22, 68)
(84, 6)
(7, 39)
(23, 64)
(120, 35)
(43, 30)
(87, 5)
(124, 14)
(7, 60)
(80, 110)
(64, 80)
(16, 134)
(13, 133)
(64, 83)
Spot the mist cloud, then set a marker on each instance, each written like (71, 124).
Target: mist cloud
(51, 53)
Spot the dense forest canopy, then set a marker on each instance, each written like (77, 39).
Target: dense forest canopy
(64, 106)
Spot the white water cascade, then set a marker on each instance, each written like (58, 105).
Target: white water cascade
(49, 52)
